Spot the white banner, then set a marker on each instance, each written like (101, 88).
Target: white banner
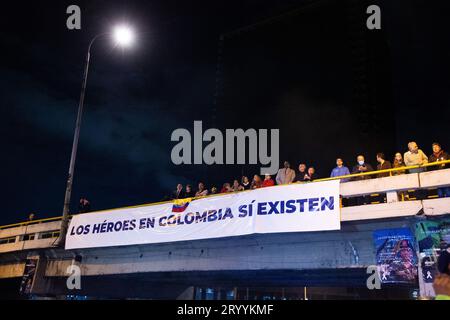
(289, 208)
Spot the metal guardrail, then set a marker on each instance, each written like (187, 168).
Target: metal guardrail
(349, 176)
(376, 172)
(28, 223)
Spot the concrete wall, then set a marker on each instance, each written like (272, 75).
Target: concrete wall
(349, 248)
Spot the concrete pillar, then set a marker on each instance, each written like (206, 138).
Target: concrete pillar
(391, 196)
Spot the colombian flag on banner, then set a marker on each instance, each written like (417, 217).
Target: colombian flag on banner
(179, 205)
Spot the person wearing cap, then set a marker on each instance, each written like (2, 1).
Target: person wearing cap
(439, 155)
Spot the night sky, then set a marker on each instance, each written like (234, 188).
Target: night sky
(332, 87)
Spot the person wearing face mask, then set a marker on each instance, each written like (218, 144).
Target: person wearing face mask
(285, 175)
(415, 157)
(361, 167)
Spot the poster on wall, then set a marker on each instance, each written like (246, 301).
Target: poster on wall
(395, 255)
(432, 236)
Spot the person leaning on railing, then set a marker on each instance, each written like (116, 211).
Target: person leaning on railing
(226, 187)
(245, 182)
(189, 193)
(285, 175)
(439, 155)
(201, 191)
(416, 157)
(256, 182)
(310, 175)
(361, 167)
(237, 186)
(340, 170)
(178, 193)
(383, 164)
(268, 181)
(300, 175)
(399, 163)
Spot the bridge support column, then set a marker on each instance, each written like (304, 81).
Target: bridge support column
(41, 285)
(391, 196)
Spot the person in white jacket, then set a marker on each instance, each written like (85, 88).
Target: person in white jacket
(285, 175)
(414, 157)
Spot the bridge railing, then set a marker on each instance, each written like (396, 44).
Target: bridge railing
(29, 234)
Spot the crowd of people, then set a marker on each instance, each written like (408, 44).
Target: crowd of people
(286, 175)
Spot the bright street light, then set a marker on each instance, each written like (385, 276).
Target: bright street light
(123, 36)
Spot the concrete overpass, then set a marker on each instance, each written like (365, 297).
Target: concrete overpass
(174, 270)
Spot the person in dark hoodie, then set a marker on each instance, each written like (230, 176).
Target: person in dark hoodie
(439, 155)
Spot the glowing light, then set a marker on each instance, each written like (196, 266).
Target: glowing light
(123, 36)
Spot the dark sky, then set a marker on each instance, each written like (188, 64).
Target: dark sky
(137, 97)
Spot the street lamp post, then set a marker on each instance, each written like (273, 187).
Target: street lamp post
(123, 37)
